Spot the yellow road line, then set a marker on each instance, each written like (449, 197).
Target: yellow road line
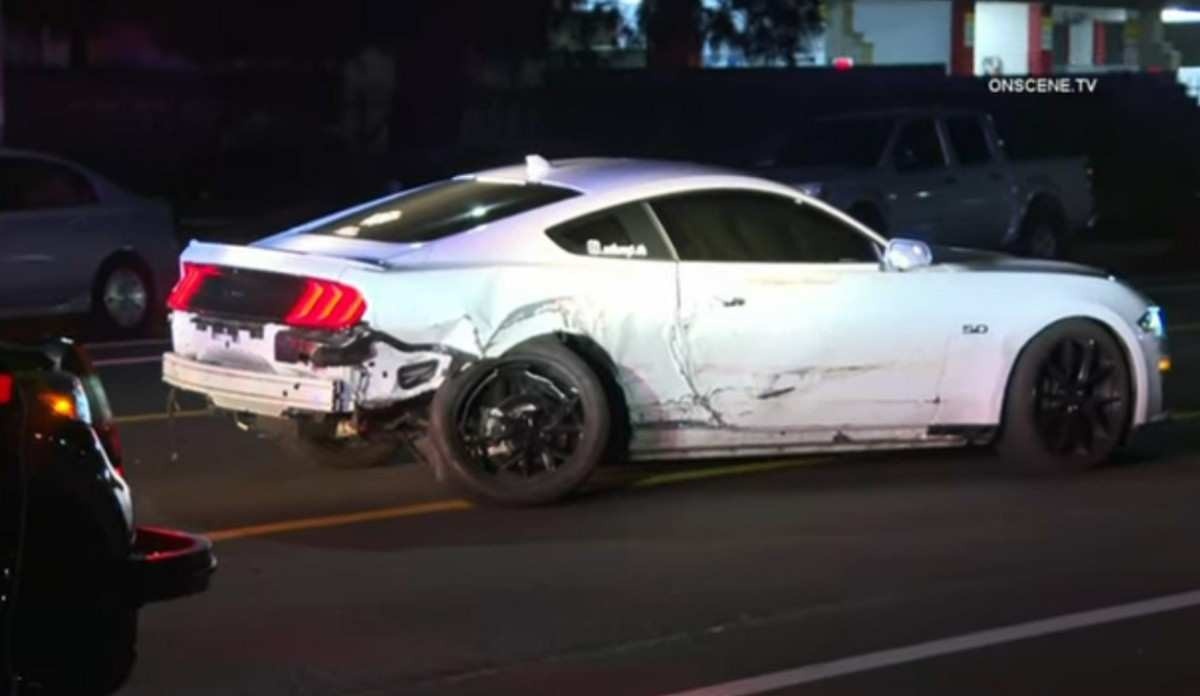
(339, 520)
(453, 505)
(1183, 328)
(155, 417)
(721, 471)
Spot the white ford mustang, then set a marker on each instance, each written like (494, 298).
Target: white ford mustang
(522, 325)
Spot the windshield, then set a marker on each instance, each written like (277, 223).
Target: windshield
(440, 210)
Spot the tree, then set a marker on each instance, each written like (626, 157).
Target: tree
(70, 18)
(672, 31)
(578, 27)
(767, 32)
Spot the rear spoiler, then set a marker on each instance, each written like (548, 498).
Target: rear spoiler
(285, 261)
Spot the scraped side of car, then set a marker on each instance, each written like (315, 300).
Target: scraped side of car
(487, 340)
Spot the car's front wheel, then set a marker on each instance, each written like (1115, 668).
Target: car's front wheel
(525, 429)
(1069, 399)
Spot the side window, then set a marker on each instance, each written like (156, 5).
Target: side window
(968, 140)
(742, 226)
(626, 231)
(918, 148)
(827, 239)
(32, 184)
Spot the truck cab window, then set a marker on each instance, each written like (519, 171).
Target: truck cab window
(918, 147)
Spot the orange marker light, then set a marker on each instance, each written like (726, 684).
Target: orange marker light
(60, 405)
(1164, 364)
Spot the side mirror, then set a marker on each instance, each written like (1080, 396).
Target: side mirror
(906, 254)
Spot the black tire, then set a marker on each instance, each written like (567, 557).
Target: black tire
(525, 429)
(1043, 233)
(313, 442)
(1069, 399)
(123, 295)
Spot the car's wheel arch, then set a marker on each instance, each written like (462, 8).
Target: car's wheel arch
(124, 255)
(1106, 321)
(1044, 201)
(605, 368)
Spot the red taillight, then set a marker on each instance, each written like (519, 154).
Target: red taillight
(194, 275)
(325, 304)
(6, 389)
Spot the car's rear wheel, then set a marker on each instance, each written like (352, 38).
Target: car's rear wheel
(315, 442)
(525, 429)
(1069, 399)
(122, 297)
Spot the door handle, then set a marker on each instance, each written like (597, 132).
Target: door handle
(731, 302)
(951, 180)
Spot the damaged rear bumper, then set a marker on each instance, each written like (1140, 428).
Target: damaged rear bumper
(275, 371)
(260, 393)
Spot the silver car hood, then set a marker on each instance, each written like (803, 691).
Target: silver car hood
(964, 259)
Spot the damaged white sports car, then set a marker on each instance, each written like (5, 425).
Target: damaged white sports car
(523, 325)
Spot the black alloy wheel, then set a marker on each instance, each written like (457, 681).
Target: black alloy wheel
(519, 420)
(1069, 400)
(524, 429)
(1079, 398)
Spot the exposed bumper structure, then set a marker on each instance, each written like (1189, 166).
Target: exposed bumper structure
(260, 393)
(168, 564)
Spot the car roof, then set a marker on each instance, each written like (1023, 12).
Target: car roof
(599, 175)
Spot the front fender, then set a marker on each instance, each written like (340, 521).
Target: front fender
(975, 380)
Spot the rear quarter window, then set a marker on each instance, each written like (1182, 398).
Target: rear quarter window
(440, 210)
(626, 231)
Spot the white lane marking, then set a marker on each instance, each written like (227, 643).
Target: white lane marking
(128, 344)
(113, 362)
(946, 646)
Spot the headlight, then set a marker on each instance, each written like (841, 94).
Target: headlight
(1154, 322)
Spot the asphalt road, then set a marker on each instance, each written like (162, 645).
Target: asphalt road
(887, 573)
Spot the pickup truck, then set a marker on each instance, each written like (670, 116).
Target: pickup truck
(940, 176)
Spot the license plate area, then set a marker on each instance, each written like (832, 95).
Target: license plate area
(229, 329)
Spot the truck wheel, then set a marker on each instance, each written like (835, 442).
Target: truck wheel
(1068, 401)
(1042, 235)
(525, 429)
(313, 442)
